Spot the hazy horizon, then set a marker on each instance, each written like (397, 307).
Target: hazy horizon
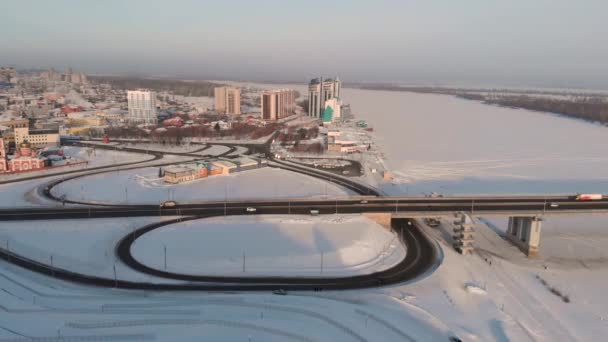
(545, 43)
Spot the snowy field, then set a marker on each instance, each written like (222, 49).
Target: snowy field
(340, 245)
(25, 194)
(499, 295)
(87, 249)
(216, 150)
(144, 186)
(72, 311)
(65, 312)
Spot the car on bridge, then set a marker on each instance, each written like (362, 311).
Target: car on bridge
(250, 210)
(432, 222)
(168, 204)
(589, 197)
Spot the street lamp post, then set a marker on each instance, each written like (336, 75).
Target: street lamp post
(115, 278)
(165, 249)
(321, 262)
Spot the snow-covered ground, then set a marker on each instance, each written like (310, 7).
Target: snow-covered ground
(272, 245)
(216, 150)
(95, 158)
(499, 295)
(87, 249)
(144, 186)
(65, 310)
(24, 194)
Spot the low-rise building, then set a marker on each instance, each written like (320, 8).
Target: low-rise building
(185, 173)
(11, 120)
(201, 169)
(178, 174)
(38, 138)
(225, 166)
(245, 163)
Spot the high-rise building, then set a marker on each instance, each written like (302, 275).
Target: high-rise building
(228, 100)
(277, 104)
(142, 106)
(75, 78)
(319, 91)
(332, 111)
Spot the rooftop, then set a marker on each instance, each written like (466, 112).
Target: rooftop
(224, 163)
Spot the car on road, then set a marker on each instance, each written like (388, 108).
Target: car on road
(432, 222)
(251, 210)
(554, 205)
(280, 292)
(168, 204)
(314, 212)
(364, 202)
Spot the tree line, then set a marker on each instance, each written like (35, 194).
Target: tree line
(593, 109)
(177, 87)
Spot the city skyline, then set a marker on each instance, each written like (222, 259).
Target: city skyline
(543, 43)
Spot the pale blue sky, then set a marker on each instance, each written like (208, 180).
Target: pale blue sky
(506, 42)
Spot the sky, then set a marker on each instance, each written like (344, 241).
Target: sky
(551, 43)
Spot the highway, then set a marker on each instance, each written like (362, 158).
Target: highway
(404, 205)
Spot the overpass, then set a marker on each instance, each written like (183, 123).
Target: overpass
(525, 212)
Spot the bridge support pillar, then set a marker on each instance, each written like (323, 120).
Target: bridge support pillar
(524, 232)
(464, 237)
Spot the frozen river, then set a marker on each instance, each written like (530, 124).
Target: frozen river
(453, 146)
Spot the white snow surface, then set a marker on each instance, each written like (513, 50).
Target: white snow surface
(96, 158)
(73, 312)
(144, 186)
(331, 245)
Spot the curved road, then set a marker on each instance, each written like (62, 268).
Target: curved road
(420, 257)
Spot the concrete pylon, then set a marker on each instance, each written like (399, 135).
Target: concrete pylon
(464, 234)
(524, 232)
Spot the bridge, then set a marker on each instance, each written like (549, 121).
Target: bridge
(525, 212)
